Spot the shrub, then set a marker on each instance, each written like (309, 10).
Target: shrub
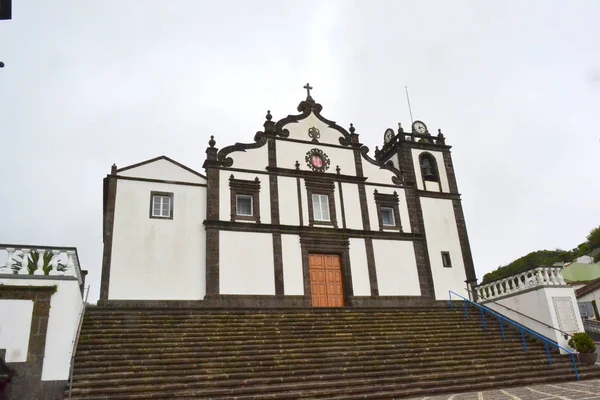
(582, 342)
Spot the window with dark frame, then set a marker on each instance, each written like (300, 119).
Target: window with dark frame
(388, 211)
(320, 194)
(245, 200)
(161, 205)
(446, 261)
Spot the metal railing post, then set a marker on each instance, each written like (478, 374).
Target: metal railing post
(451, 302)
(575, 366)
(548, 352)
(502, 329)
(524, 341)
(466, 311)
(76, 341)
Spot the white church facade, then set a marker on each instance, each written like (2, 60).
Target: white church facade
(302, 216)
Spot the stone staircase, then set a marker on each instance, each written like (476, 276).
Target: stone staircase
(302, 354)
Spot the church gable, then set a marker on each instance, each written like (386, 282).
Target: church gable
(162, 168)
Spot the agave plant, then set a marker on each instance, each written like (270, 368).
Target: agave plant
(32, 263)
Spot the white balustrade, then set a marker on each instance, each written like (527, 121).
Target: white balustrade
(19, 260)
(541, 276)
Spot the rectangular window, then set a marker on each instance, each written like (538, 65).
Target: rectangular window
(161, 205)
(320, 207)
(244, 205)
(446, 262)
(387, 216)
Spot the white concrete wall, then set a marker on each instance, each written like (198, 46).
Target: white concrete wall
(293, 278)
(539, 304)
(158, 259)
(15, 326)
(359, 268)
(288, 201)
(588, 298)
(376, 174)
(439, 158)
(372, 206)
(65, 307)
(163, 170)
(256, 159)
(225, 195)
(299, 130)
(396, 268)
(290, 152)
(246, 263)
(352, 206)
(442, 235)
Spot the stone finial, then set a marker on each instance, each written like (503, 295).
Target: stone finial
(269, 116)
(113, 169)
(400, 129)
(352, 129)
(212, 141)
(440, 137)
(297, 165)
(337, 169)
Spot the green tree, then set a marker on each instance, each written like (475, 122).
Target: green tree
(593, 238)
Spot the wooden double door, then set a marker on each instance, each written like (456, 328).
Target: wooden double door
(326, 284)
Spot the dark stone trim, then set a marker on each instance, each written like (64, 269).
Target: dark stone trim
(364, 209)
(326, 244)
(371, 267)
(449, 167)
(212, 214)
(415, 213)
(27, 383)
(396, 179)
(343, 208)
(438, 195)
(463, 239)
(298, 230)
(278, 264)
(164, 194)
(390, 201)
(388, 150)
(300, 211)
(323, 187)
(110, 186)
(40, 277)
(161, 158)
(240, 187)
(131, 178)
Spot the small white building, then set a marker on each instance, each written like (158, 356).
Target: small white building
(300, 216)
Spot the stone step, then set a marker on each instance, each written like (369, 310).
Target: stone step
(437, 360)
(214, 389)
(367, 369)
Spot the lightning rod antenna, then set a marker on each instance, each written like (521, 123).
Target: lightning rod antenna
(408, 100)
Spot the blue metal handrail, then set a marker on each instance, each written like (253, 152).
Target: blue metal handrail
(519, 326)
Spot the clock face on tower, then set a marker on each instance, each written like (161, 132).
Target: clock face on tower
(419, 127)
(388, 135)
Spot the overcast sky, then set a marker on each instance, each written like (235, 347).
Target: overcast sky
(514, 86)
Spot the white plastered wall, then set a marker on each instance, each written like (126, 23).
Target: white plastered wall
(439, 158)
(65, 307)
(256, 159)
(288, 201)
(352, 206)
(588, 298)
(396, 268)
(158, 259)
(225, 195)
(359, 268)
(290, 152)
(539, 304)
(163, 170)
(293, 277)
(442, 235)
(299, 131)
(246, 263)
(372, 206)
(15, 326)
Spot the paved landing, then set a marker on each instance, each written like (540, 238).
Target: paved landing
(583, 390)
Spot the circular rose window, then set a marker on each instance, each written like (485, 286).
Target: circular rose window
(317, 160)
